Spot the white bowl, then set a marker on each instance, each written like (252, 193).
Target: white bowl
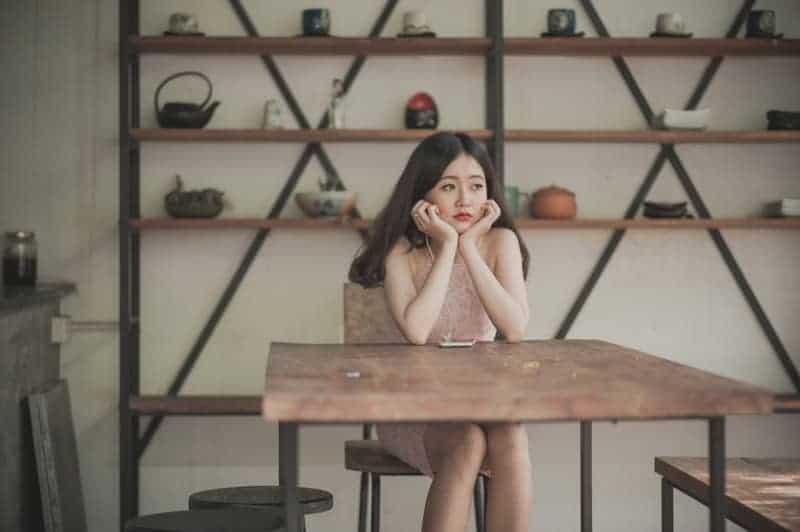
(326, 203)
(681, 119)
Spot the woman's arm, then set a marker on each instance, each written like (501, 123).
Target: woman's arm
(416, 314)
(502, 292)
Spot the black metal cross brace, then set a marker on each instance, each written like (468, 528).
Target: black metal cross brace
(667, 153)
(313, 148)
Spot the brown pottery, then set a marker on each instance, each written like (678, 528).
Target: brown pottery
(554, 203)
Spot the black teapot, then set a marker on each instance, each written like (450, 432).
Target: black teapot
(182, 114)
(206, 203)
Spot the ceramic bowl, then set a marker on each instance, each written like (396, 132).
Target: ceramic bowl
(330, 203)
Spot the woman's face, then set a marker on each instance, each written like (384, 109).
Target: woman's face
(460, 193)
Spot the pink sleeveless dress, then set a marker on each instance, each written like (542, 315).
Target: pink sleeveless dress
(462, 317)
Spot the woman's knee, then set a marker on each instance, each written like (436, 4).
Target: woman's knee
(507, 440)
(461, 445)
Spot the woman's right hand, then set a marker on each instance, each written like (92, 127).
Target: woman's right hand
(426, 218)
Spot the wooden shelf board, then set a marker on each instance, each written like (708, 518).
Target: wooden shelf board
(144, 224)
(592, 46)
(787, 403)
(311, 45)
(196, 404)
(645, 46)
(248, 223)
(291, 135)
(650, 136)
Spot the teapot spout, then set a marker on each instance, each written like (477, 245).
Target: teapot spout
(211, 108)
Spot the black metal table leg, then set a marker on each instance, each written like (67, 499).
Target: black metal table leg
(716, 455)
(586, 476)
(667, 508)
(288, 473)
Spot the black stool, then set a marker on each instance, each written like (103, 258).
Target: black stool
(311, 500)
(228, 520)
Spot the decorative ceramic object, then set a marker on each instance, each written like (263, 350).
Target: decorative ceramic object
(182, 114)
(272, 115)
(783, 119)
(682, 119)
(561, 23)
(326, 203)
(421, 112)
(761, 25)
(655, 209)
(183, 24)
(316, 22)
(206, 203)
(670, 25)
(336, 105)
(515, 199)
(415, 25)
(783, 208)
(554, 203)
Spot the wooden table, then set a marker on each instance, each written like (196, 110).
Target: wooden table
(534, 381)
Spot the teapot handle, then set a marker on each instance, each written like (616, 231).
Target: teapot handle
(181, 74)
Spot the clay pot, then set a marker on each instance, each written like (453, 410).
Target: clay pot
(553, 203)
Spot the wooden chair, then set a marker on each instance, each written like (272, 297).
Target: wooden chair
(761, 494)
(367, 320)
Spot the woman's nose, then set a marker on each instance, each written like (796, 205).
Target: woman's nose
(464, 197)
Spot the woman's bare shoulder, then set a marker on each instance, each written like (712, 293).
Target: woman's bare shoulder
(500, 240)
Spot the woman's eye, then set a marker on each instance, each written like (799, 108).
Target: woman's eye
(448, 187)
(478, 186)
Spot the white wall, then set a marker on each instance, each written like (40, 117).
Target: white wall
(664, 292)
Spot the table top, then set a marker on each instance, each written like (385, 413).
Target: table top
(539, 380)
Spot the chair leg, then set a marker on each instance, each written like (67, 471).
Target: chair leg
(376, 503)
(479, 503)
(363, 494)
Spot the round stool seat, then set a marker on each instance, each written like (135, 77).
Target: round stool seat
(227, 520)
(312, 500)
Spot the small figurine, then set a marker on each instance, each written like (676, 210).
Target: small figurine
(272, 115)
(336, 105)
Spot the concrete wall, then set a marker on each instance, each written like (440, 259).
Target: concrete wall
(664, 292)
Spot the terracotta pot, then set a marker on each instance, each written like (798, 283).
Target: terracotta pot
(554, 203)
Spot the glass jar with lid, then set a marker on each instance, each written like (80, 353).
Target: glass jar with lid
(19, 258)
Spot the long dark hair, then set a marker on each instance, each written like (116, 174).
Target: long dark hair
(426, 165)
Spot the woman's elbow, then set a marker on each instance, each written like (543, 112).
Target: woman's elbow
(513, 337)
(416, 337)
(515, 334)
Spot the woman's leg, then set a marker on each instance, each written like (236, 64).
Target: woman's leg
(455, 452)
(509, 497)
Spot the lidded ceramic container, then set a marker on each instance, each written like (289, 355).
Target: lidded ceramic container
(553, 203)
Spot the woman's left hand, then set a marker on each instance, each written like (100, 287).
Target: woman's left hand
(490, 213)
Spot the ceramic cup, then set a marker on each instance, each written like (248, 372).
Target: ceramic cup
(761, 23)
(516, 201)
(316, 22)
(561, 21)
(670, 23)
(414, 21)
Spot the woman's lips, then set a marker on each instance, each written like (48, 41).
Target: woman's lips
(463, 217)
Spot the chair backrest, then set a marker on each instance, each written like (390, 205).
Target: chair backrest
(367, 319)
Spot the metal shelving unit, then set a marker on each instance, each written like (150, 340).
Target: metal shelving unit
(493, 47)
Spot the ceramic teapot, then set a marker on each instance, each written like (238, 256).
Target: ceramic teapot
(206, 203)
(185, 115)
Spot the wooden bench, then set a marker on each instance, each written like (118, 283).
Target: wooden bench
(762, 495)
